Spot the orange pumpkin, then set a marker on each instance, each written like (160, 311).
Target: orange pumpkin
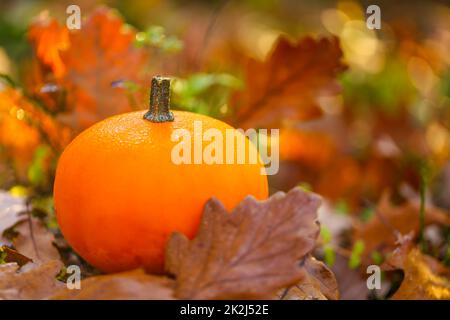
(119, 195)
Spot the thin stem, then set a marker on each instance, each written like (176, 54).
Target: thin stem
(159, 110)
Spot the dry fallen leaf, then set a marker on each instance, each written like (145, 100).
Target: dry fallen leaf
(312, 148)
(136, 285)
(318, 283)
(35, 241)
(423, 276)
(30, 282)
(352, 282)
(249, 253)
(378, 233)
(10, 209)
(287, 83)
(11, 255)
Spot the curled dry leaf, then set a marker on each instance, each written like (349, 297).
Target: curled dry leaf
(11, 255)
(30, 282)
(424, 277)
(288, 82)
(318, 283)
(249, 253)
(380, 232)
(136, 285)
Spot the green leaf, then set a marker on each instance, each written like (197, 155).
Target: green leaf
(355, 257)
(128, 85)
(155, 35)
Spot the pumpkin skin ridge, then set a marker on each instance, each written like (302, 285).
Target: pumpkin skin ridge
(118, 196)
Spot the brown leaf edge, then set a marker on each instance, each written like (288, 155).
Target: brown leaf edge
(318, 283)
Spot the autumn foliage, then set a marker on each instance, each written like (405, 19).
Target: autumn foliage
(364, 173)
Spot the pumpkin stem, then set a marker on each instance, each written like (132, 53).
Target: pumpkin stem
(159, 110)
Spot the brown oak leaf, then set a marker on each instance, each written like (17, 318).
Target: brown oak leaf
(287, 83)
(318, 283)
(29, 282)
(136, 285)
(249, 253)
(22, 135)
(380, 232)
(424, 277)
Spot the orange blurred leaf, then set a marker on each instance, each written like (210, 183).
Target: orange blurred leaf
(318, 283)
(252, 252)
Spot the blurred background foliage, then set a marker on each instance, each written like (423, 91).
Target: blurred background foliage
(383, 125)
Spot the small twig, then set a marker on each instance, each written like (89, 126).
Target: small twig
(214, 16)
(30, 226)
